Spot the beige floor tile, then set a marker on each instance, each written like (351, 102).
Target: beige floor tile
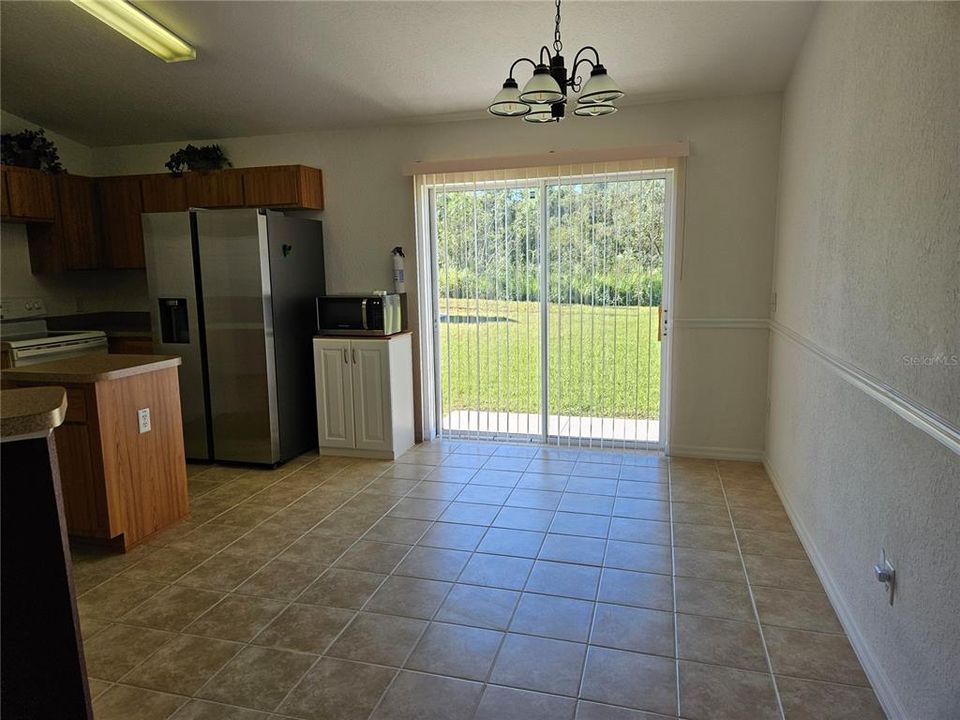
(436, 491)
(118, 649)
(236, 617)
(122, 703)
(433, 563)
(98, 687)
(639, 557)
(338, 690)
(479, 606)
(307, 628)
(641, 509)
(316, 550)
(453, 536)
(570, 548)
(166, 564)
(696, 492)
(595, 504)
(221, 572)
(549, 616)
(711, 692)
(751, 519)
(427, 697)
(409, 471)
(173, 608)
(280, 580)
(810, 700)
(508, 573)
(563, 579)
(405, 531)
(595, 711)
(626, 587)
(500, 703)
(708, 564)
(714, 599)
(542, 664)
(419, 508)
(516, 543)
(796, 609)
(409, 597)
(654, 532)
(342, 588)
(771, 544)
(634, 629)
(257, 678)
(346, 522)
(204, 710)
(264, 541)
(721, 642)
(782, 573)
(372, 557)
(455, 651)
(642, 490)
(705, 537)
(115, 597)
(701, 514)
(517, 518)
(183, 665)
(816, 656)
(378, 639)
(642, 682)
(208, 538)
(469, 513)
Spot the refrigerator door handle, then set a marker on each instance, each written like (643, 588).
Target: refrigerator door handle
(363, 313)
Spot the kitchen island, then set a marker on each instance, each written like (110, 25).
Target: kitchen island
(120, 448)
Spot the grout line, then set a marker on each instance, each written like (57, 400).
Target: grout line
(753, 600)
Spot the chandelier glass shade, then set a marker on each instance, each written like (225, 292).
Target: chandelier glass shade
(544, 96)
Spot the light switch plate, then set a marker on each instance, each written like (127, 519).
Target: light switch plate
(143, 420)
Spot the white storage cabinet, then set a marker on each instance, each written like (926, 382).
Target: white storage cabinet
(364, 395)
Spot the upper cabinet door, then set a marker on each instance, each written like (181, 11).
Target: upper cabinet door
(371, 394)
(283, 186)
(121, 203)
(164, 193)
(335, 393)
(215, 189)
(29, 194)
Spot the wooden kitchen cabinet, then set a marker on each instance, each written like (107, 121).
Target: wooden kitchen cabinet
(121, 236)
(120, 484)
(164, 193)
(364, 395)
(283, 186)
(215, 189)
(72, 240)
(28, 194)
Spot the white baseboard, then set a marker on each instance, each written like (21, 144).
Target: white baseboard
(714, 453)
(875, 673)
(367, 454)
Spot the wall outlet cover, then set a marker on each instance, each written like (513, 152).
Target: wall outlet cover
(143, 420)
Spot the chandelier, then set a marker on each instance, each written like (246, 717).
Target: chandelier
(544, 97)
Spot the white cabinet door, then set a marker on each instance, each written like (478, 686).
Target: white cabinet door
(332, 366)
(371, 394)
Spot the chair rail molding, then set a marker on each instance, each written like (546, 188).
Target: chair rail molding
(917, 414)
(709, 323)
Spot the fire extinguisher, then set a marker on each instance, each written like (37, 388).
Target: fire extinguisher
(399, 283)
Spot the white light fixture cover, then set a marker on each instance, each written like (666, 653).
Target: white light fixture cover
(600, 88)
(136, 25)
(595, 109)
(539, 114)
(507, 102)
(541, 88)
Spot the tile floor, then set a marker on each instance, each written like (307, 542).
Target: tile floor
(470, 581)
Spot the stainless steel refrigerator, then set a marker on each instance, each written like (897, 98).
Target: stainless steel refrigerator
(233, 293)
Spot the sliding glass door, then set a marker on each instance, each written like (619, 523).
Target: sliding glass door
(548, 293)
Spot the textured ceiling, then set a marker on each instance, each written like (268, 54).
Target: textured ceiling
(266, 67)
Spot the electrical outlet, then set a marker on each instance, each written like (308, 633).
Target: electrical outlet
(885, 573)
(143, 420)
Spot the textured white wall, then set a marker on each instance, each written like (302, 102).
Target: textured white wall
(868, 267)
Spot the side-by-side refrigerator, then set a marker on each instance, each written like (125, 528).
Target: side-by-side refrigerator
(232, 292)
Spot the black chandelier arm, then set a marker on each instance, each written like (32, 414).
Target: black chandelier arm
(545, 49)
(575, 80)
(585, 48)
(520, 60)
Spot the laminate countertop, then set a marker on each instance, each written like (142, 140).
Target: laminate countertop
(27, 411)
(90, 368)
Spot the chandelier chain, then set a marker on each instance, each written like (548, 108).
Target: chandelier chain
(557, 45)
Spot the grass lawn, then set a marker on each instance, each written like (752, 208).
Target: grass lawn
(604, 362)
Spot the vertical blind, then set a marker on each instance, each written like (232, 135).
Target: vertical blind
(546, 289)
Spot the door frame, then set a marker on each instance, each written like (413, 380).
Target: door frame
(429, 311)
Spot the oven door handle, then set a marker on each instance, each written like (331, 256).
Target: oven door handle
(363, 313)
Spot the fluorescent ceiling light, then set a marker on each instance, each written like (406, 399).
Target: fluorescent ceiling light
(130, 21)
